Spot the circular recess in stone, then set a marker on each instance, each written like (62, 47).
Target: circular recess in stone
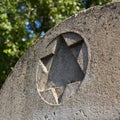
(59, 74)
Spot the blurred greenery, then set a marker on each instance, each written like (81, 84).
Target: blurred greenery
(23, 21)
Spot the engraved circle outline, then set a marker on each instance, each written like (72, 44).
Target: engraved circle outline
(88, 61)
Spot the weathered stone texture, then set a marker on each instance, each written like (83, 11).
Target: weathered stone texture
(72, 73)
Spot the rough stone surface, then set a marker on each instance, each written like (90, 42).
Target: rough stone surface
(72, 73)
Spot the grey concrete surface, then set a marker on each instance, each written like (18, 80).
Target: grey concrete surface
(72, 73)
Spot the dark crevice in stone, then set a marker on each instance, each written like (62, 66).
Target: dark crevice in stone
(79, 43)
(46, 59)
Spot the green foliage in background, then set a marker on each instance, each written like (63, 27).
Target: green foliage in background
(15, 14)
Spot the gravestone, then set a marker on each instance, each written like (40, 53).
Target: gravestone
(72, 73)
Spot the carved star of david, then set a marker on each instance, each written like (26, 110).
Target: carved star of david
(59, 74)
